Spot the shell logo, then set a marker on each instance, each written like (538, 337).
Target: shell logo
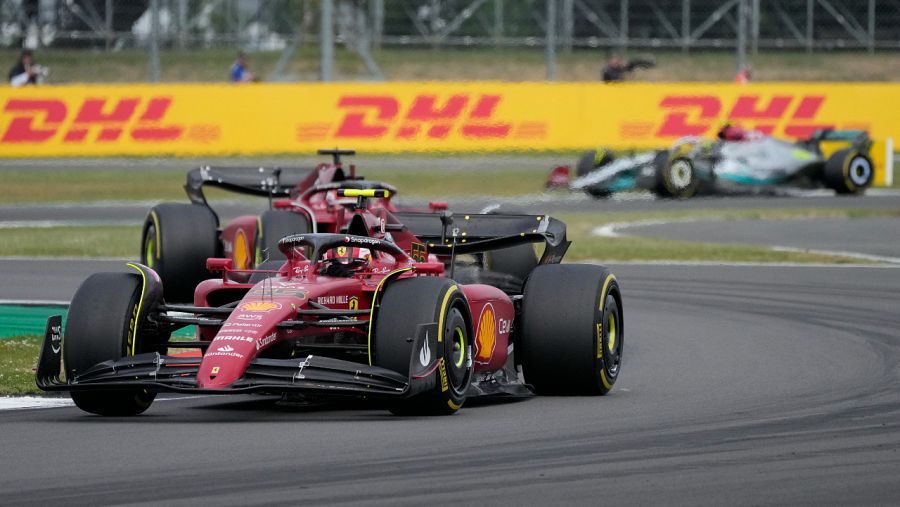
(486, 336)
(241, 251)
(260, 306)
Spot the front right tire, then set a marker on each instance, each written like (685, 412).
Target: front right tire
(404, 306)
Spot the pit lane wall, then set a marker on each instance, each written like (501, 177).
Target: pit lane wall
(222, 119)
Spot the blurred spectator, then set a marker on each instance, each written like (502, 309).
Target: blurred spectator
(743, 75)
(616, 68)
(26, 72)
(239, 71)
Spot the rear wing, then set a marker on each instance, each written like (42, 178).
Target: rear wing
(858, 139)
(260, 181)
(447, 233)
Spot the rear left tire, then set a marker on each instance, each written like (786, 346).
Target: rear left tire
(571, 333)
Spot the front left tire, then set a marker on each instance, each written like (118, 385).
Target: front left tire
(104, 323)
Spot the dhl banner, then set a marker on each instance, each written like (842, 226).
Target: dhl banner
(221, 119)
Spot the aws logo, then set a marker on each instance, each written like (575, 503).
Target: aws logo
(697, 115)
(426, 116)
(96, 120)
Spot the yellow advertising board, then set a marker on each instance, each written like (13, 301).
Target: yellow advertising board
(222, 119)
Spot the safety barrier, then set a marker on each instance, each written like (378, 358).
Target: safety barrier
(221, 119)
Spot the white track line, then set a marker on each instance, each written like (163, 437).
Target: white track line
(613, 230)
(34, 302)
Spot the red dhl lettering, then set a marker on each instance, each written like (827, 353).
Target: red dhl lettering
(695, 115)
(39, 120)
(380, 116)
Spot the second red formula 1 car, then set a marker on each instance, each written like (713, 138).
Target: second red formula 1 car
(368, 313)
(177, 238)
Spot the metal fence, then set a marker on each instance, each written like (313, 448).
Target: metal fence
(360, 25)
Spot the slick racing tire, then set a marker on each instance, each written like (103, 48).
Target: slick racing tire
(571, 330)
(848, 171)
(176, 241)
(103, 325)
(404, 306)
(271, 227)
(593, 159)
(679, 178)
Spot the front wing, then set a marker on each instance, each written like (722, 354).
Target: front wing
(313, 375)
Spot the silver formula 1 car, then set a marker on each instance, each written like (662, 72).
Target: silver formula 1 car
(738, 162)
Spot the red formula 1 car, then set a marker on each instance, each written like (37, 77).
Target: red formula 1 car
(178, 238)
(366, 314)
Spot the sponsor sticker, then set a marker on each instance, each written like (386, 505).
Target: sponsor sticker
(333, 300)
(486, 336)
(265, 341)
(260, 306)
(234, 338)
(418, 252)
(445, 384)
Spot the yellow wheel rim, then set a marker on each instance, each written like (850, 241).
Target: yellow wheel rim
(460, 344)
(611, 331)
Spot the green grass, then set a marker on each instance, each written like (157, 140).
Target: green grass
(114, 241)
(18, 358)
(127, 184)
(512, 64)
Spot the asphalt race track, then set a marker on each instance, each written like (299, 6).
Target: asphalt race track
(741, 385)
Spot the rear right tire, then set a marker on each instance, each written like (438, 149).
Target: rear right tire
(274, 225)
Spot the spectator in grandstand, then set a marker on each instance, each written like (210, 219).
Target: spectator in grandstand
(616, 68)
(26, 72)
(743, 75)
(239, 71)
